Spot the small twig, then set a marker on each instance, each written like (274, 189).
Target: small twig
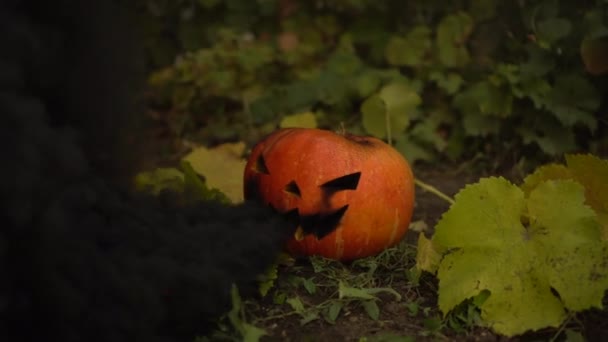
(562, 328)
(433, 190)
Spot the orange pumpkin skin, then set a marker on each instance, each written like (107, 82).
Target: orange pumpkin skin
(361, 183)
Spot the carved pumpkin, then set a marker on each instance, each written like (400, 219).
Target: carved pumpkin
(354, 195)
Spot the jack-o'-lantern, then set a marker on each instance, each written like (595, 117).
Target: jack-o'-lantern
(353, 195)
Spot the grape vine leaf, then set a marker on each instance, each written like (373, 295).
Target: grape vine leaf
(484, 98)
(551, 30)
(450, 82)
(521, 250)
(452, 34)
(551, 137)
(412, 150)
(588, 170)
(394, 102)
(410, 50)
(572, 100)
(539, 62)
(480, 125)
(373, 116)
(366, 83)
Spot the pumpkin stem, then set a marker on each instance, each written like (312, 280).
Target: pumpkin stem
(433, 190)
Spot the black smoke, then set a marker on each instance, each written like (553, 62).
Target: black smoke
(81, 257)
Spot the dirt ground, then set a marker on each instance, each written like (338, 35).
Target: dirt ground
(396, 321)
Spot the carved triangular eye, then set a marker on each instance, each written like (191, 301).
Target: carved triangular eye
(260, 165)
(348, 182)
(293, 189)
(322, 225)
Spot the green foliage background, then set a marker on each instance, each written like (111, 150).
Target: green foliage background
(454, 78)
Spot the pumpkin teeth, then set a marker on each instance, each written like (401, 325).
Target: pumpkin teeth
(299, 234)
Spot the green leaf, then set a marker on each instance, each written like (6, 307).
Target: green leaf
(304, 120)
(344, 63)
(551, 30)
(376, 290)
(267, 280)
(367, 83)
(252, 333)
(491, 249)
(450, 82)
(331, 88)
(371, 308)
(352, 292)
(394, 102)
(373, 111)
(572, 100)
(333, 311)
(452, 34)
(427, 131)
(433, 324)
(410, 50)
(551, 137)
(309, 316)
(508, 72)
(594, 23)
(297, 95)
(309, 285)
(296, 304)
(480, 125)
(413, 308)
(397, 52)
(153, 182)
(539, 63)
(365, 294)
(536, 89)
(248, 332)
(486, 99)
(185, 182)
(400, 100)
(412, 150)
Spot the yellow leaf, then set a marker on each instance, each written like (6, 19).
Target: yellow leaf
(302, 120)
(222, 168)
(428, 255)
